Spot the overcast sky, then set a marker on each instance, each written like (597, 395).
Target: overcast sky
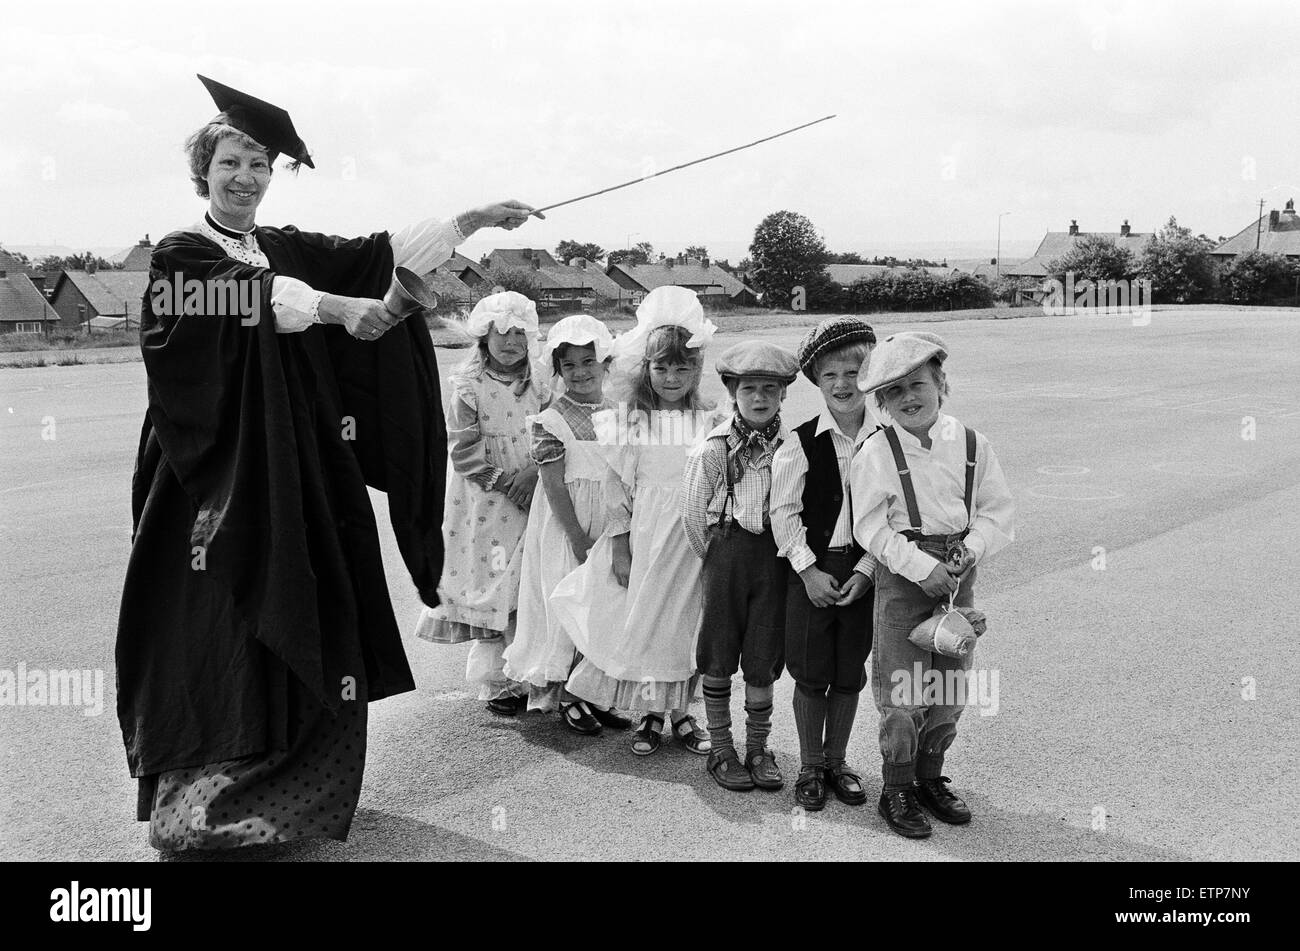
(948, 113)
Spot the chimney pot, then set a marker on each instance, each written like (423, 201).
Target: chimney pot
(1290, 207)
(1074, 226)
(1124, 229)
(1274, 217)
(993, 260)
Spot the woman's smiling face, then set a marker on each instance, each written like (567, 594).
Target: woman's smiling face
(238, 177)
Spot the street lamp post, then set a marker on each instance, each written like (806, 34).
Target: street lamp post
(998, 265)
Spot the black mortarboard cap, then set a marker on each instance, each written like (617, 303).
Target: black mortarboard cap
(268, 124)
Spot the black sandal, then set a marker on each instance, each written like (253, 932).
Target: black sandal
(610, 719)
(648, 735)
(691, 736)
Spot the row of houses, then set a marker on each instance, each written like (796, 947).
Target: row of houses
(1276, 233)
(34, 301)
(580, 283)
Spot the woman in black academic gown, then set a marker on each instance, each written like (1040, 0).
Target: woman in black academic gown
(256, 623)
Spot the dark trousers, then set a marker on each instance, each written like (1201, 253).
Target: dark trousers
(828, 647)
(743, 626)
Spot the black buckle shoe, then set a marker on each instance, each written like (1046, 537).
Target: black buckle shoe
(901, 810)
(934, 795)
(577, 717)
(810, 789)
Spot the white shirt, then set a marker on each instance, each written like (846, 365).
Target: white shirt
(420, 247)
(789, 473)
(939, 481)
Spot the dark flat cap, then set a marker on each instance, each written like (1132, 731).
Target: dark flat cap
(757, 358)
(832, 334)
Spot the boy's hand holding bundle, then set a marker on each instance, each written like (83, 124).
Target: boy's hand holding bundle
(940, 583)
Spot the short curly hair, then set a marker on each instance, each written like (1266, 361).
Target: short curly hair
(202, 145)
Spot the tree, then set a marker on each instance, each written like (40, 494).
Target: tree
(566, 251)
(845, 257)
(75, 262)
(637, 255)
(1094, 257)
(697, 251)
(1258, 277)
(520, 279)
(1178, 265)
(788, 253)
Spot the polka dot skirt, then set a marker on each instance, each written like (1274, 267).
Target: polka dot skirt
(308, 790)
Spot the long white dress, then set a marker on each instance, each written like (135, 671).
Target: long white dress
(543, 655)
(638, 643)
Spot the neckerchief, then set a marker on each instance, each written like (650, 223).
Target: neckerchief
(752, 443)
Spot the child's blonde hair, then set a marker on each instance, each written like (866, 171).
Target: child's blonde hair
(666, 345)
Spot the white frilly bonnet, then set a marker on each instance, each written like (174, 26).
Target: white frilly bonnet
(579, 330)
(667, 306)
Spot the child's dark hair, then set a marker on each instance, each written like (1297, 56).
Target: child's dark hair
(940, 381)
(559, 353)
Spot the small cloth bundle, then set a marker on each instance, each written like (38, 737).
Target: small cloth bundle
(950, 631)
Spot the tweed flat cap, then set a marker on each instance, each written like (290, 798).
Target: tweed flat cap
(831, 334)
(758, 358)
(898, 355)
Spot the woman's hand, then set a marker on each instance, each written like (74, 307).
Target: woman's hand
(365, 318)
(623, 558)
(504, 214)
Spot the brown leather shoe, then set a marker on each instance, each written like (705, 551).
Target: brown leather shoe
(901, 810)
(933, 794)
(727, 771)
(762, 766)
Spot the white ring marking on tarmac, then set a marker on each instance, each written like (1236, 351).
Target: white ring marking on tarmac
(1074, 493)
(1063, 470)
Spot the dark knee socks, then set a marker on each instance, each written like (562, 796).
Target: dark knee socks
(758, 716)
(717, 710)
(810, 722)
(841, 708)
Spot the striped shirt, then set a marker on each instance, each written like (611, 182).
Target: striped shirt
(789, 473)
(704, 487)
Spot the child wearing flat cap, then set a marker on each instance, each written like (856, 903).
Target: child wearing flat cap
(725, 491)
(828, 602)
(930, 503)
